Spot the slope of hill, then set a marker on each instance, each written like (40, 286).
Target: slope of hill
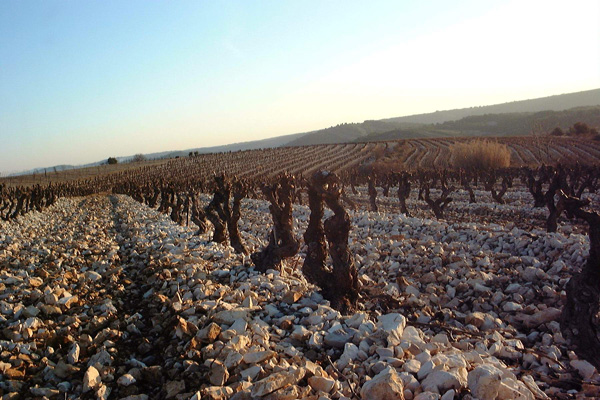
(552, 103)
(343, 133)
(409, 126)
(510, 124)
(518, 124)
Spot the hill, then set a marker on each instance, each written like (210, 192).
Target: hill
(411, 126)
(509, 124)
(550, 103)
(347, 132)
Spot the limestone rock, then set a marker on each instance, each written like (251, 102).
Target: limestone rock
(387, 385)
(484, 381)
(277, 381)
(91, 379)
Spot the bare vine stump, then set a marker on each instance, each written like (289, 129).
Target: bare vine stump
(198, 215)
(404, 192)
(469, 189)
(282, 241)
(579, 319)
(215, 212)
(438, 205)
(233, 215)
(535, 186)
(386, 187)
(490, 182)
(372, 194)
(314, 237)
(340, 285)
(554, 209)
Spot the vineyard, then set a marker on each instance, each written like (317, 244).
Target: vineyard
(411, 154)
(347, 271)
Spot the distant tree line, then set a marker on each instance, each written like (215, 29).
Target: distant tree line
(578, 129)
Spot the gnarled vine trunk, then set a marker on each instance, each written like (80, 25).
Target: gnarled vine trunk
(340, 285)
(282, 241)
(579, 319)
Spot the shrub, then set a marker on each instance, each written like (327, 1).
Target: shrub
(138, 158)
(480, 155)
(580, 128)
(111, 161)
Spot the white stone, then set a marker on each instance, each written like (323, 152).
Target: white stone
(92, 276)
(385, 385)
(73, 355)
(427, 396)
(484, 381)
(230, 316)
(251, 373)
(258, 356)
(449, 395)
(357, 319)
(126, 380)
(533, 387)
(425, 369)
(320, 383)
(585, 369)
(91, 379)
(441, 381)
(239, 326)
(393, 325)
(413, 366)
(276, 381)
(218, 374)
(510, 306)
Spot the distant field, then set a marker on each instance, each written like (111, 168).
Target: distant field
(76, 174)
(408, 154)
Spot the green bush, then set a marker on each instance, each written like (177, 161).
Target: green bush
(112, 161)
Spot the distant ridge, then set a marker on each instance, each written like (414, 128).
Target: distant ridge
(505, 124)
(360, 131)
(551, 103)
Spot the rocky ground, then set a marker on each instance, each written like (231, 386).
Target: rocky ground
(102, 297)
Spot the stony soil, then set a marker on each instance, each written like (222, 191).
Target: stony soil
(102, 297)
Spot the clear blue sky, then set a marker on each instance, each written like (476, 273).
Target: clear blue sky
(84, 80)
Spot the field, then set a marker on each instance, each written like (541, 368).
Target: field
(103, 296)
(410, 154)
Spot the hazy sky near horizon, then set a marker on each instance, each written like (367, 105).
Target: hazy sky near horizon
(84, 80)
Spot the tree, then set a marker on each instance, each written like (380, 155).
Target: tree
(580, 128)
(110, 161)
(138, 158)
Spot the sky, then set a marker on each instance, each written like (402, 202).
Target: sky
(81, 81)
